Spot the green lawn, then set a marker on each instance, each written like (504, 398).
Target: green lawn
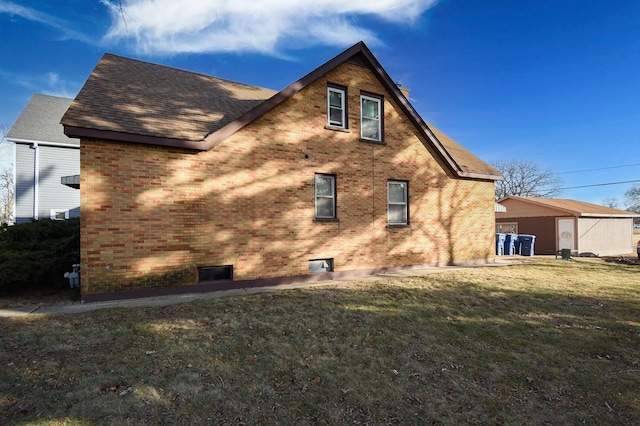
(546, 342)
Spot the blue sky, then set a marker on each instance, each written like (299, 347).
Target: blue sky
(556, 82)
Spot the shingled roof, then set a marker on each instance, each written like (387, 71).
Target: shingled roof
(158, 104)
(39, 122)
(573, 207)
(133, 101)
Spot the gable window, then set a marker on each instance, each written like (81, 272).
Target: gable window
(325, 196)
(371, 118)
(398, 202)
(336, 107)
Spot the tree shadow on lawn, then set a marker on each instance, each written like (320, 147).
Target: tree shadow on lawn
(390, 352)
(39, 297)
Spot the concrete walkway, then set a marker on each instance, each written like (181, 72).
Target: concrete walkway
(79, 307)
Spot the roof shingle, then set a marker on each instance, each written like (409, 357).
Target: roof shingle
(40, 121)
(129, 96)
(129, 100)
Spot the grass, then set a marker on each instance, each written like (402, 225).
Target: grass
(547, 342)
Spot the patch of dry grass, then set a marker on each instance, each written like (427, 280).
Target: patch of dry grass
(548, 342)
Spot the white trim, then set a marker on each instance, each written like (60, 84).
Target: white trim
(343, 96)
(15, 183)
(36, 179)
(405, 203)
(377, 119)
(332, 197)
(43, 143)
(610, 216)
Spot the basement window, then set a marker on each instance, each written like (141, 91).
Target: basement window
(320, 265)
(215, 273)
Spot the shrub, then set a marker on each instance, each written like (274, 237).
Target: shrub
(37, 254)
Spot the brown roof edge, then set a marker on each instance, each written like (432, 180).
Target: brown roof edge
(83, 133)
(215, 138)
(481, 176)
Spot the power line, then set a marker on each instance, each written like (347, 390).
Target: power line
(601, 168)
(600, 184)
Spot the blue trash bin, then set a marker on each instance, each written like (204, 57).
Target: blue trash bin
(517, 245)
(500, 244)
(527, 243)
(510, 244)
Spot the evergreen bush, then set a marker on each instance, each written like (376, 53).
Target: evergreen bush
(37, 254)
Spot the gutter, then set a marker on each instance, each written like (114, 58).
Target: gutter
(44, 143)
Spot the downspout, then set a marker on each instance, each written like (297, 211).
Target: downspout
(36, 178)
(14, 210)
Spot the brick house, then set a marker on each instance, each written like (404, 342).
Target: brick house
(191, 183)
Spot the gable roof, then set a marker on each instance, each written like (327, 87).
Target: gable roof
(129, 100)
(573, 207)
(39, 122)
(134, 101)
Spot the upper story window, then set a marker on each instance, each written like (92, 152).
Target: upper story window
(325, 196)
(371, 118)
(398, 199)
(336, 107)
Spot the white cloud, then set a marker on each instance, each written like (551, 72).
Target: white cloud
(55, 86)
(48, 84)
(201, 26)
(65, 28)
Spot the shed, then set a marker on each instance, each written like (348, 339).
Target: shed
(585, 228)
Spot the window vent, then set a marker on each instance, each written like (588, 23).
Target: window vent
(215, 273)
(320, 265)
(358, 60)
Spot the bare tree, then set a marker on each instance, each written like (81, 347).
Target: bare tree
(6, 196)
(6, 185)
(610, 202)
(632, 199)
(526, 179)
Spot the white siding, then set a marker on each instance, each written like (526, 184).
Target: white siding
(605, 236)
(24, 183)
(55, 162)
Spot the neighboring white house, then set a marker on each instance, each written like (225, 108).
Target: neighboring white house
(44, 158)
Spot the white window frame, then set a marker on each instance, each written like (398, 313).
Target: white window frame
(332, 196)
(404, 203)
(53, 214)
(342, 108)
(502, 227)
(377, 119)
(317, 266)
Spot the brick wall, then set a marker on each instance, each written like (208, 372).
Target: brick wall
(151, 215)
